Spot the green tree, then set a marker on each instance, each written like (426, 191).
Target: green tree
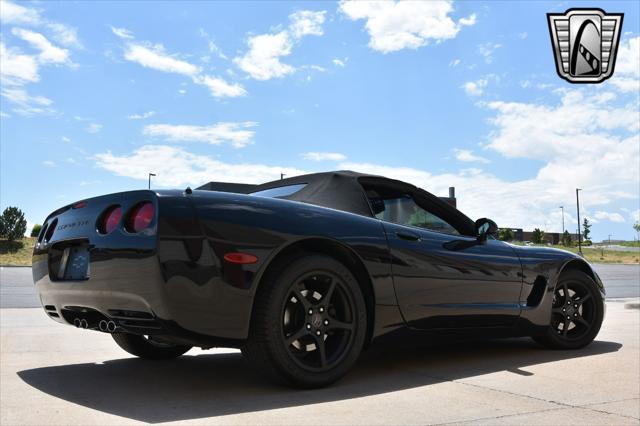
(636, 226)
(586, 229)
(566, 239)
(505, 234)
(35, 231)
(538, 236)
(13, 225)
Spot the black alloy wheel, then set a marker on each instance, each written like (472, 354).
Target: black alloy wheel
(309, 323)
(318, 321)
(576, 314)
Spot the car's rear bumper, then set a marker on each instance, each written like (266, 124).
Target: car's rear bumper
(168, 282)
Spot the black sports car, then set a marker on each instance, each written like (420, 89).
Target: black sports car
(301, 273)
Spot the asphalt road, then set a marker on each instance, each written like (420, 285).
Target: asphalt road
(16, 286)
(52, 374)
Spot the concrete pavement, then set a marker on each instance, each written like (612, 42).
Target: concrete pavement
(54, 374)
(16, 285)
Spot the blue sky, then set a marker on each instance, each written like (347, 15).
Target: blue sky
(97, 94)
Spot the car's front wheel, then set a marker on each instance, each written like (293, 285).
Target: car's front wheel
(576, 313)
(309, 323)
(148, 347)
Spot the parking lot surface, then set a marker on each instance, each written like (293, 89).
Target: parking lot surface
(54, 374)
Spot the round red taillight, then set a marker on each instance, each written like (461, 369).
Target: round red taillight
(110, 219)
(140, 217)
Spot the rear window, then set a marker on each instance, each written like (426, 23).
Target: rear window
(280, 191)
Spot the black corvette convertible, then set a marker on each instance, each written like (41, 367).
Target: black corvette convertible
(301, 273)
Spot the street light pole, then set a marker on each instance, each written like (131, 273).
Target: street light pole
(579, 230)
(150, 174)
(562, 208)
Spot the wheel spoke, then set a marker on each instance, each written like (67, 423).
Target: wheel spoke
(580, 301)
(565, 289)
(296, 336)
(557, 310)
(326, 299)
(321, 350)
(340, 325)
(305, 303)
(565, 329)
(583, 321)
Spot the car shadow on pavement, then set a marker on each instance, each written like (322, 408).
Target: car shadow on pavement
(194, 387)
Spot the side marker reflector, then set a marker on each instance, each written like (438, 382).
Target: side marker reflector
(240, 258)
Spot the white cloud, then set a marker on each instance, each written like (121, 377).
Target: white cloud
(142, 116)
(156, 58)
(238, 135)
(454, 63)
(26, 104)
(221, 88)
(324, 156)
(627, 71)
(262, 61)
(48, 52)
(15, 14)
(65, 35)
(17, 68)
(468, 156)
(487, 50)
(65, 139)
(48, 163)
(12, 13)
(94, 128)
(176, 167)
(635, 216)
(400, 25)
(612, 217)
(122, 33)
(523, 35)
(306, 22)
(475, 88)
(338, 62)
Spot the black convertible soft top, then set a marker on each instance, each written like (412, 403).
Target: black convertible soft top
(344, 190)
(339, 190)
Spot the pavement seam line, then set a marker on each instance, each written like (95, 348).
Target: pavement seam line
(560, 404)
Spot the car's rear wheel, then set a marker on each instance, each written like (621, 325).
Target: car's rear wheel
(149, 347)
(309, 323)
(576, 313)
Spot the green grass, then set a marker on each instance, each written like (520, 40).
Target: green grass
(599, 255)
(16, 253)
(630, 243)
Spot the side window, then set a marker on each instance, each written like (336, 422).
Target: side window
(404, 211)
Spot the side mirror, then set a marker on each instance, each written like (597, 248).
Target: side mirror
(484, 228)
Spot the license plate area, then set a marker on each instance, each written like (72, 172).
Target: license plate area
(69, 261)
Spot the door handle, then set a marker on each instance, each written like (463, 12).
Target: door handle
(409, 236)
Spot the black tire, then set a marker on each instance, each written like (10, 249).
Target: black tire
(576, 319)
(309, 323)
(146, 347)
